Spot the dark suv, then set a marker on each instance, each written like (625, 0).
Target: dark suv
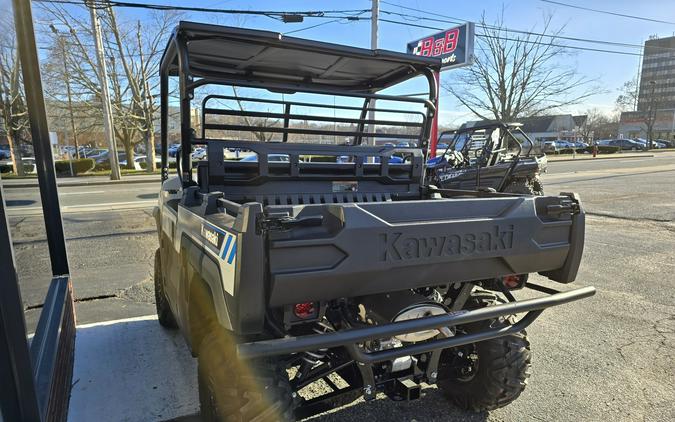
(627, 144)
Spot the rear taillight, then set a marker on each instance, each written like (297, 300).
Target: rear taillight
(514, 281)
(304, 310)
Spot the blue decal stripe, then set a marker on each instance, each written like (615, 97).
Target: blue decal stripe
(232, 254)
(214, 228)
(227, 245)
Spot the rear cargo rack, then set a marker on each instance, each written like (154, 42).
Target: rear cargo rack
(285, 118)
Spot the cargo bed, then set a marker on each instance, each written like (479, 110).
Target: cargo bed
(365, 248)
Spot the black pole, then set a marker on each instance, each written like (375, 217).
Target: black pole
(30, 69)
(18, 399)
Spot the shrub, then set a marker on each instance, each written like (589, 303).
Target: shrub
(604, 149)
(80, 166)
(7, 168)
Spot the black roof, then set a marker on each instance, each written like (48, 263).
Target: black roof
(254, 56)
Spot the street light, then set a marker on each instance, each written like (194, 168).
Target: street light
(62, 44)
(652, 115)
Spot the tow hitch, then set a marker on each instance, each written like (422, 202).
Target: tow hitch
(401, 389)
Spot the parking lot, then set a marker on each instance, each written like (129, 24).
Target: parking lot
(608, 357)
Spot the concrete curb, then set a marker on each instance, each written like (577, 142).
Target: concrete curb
(10, 185)
(613, 157)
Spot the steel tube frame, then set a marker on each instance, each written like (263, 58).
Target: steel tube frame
(288, 345)
(40, 134)
(21, 396)
(178, 46)
(18, 397)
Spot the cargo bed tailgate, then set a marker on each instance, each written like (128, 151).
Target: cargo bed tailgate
(353, 249)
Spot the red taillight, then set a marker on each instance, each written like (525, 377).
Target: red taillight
(304, 310)
(513, 281)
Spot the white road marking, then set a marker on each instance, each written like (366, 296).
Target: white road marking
(82, 193)
(110, 206)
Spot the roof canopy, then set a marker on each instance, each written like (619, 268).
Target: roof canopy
(256, 57)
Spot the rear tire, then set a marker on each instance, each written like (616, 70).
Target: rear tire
(500, 366)
(164, 314)
(233, 391)
(525, 187)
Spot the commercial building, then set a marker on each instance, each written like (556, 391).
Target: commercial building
(550, 128)
(656, 96)
(657, 79)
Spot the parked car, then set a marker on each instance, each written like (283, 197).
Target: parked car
(199, 153)
(172, 150)
(628, 145)
(654, 144)
(271, 157)
(550, 147)
(4, 152)
(104, 158)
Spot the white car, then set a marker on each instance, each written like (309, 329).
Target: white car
(199, 153)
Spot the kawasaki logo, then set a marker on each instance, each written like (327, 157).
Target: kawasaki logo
(397, 246)
(211, 236)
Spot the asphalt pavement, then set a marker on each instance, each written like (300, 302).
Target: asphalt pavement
(608, 357)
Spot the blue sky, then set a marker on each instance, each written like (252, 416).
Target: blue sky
(610, 69)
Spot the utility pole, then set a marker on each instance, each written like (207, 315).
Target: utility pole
(374, 17)
(105, 96)
(66, 79)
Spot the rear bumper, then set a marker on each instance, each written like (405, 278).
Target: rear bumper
(350, 338)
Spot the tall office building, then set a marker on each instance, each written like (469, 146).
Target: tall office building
(657, 90)
(658, 75)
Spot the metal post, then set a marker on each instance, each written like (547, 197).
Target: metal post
(18, 398)
(185, 117)
(374, 17)
(37, 116)
(434, 123)
(105, 96)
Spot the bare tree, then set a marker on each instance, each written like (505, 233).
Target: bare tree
(12, 101)
(133, 52)
(518, 75)
(599, 125)
(262, 122)
(628, 96)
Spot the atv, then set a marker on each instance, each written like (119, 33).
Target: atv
(303, 284)
(487, 156)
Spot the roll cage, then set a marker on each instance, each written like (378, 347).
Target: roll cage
(202, 54)
(488, 153)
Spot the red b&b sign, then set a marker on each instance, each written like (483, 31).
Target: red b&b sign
(454, 46)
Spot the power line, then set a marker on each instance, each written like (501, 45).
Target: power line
(598, 50)
(269, 13)
(642, 18)
(349, 19)
(517, 31)
(454, 20)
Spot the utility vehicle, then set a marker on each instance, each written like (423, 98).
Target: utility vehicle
(489, 155)
(351, 276)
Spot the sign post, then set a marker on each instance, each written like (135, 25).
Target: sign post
(454, 47)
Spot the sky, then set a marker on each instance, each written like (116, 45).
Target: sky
(611, 70)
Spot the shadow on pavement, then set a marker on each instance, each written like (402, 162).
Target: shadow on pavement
(431, 407)
(19, 202)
